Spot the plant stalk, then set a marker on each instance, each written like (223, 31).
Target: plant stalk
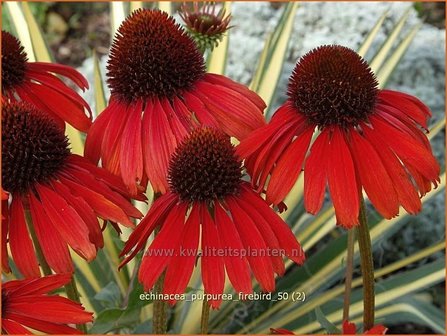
(205, 317)
(348, 276)
(160, 319)
(367, 267)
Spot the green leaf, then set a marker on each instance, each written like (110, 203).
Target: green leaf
(269, 69)
(39, 45)
(366, 45)
(117, 16)
(100, 98)
(114, 319)
(109, 295)
(393, 60)
(217, 61)
(325, 323)
(383, 52)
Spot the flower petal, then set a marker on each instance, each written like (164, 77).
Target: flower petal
(342, 181)
(374, 177)
(252, 239)
(68, 222)
(288, 168)
(315, 173)
(213, 274)
(237, 266)
(54, 248)
(181, 265)
(22, 248)
(131, 152)
(160, 251)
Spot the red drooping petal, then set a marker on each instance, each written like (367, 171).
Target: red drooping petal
(95, 135)
(85, 212)
(342, 181)
(25, 93)
(114, 182)
(160, 252)
(242, 89)
(67, 221)
(54, 309)
(395, 117)
(213, 273)
(237, 266)
(408, 105)
(281, 230)
(200, 111)
(39, 286)
(374, 177)
(261, 136)
(131, 152)
(405, 189)
(179, 117)
(182, 264)
(275, 252)
(44, 326)
(269, 154)
(22, 248)
(62, 106)
(54, 248)
(102, 203)
(84, 177)
(155, 217)
(315, 173)
(252, 239)
(288, 168)
(409, 150)
(62, 70)
(160, 143)
(236, 115)
(56, 84)
(111, 143)
(13, 328)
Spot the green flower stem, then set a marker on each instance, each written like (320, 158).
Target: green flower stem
(160, 319)
(40, 257)
(160, 308)
(367, 267)
(205, 317)
(73, 294)
(348, 276)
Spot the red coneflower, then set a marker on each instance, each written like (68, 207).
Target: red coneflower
(239, 230)
(62, 192)
(160, 91)
(36, 83)
(369, 138)
(205, 25)
(26, 304)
